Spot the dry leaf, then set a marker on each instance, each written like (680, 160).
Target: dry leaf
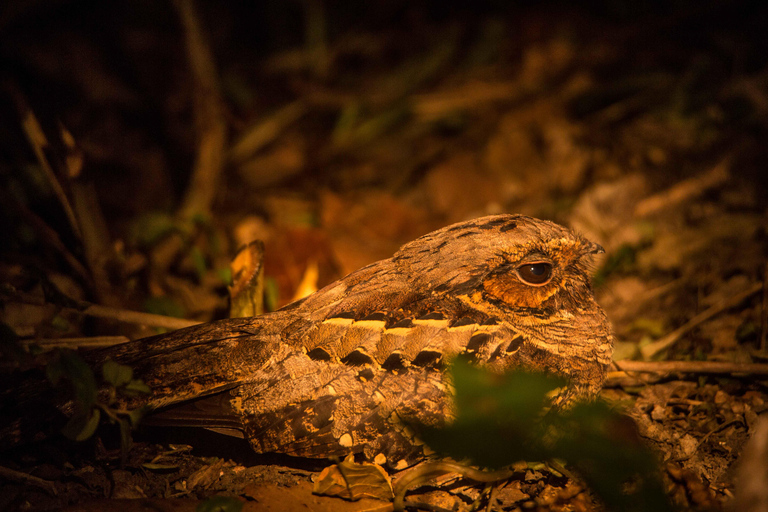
(353, 481)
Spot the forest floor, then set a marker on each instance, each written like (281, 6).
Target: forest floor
(645, 132)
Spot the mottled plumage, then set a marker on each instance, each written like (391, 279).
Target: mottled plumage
(344, 369)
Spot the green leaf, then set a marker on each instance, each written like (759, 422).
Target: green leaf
(497, 419)
(502, 419)
(514, 396)
(220, 504)
(135, 415)
(116, 374)
(136, 387)
(82, 426)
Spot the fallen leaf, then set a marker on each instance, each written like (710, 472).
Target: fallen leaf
(353, 481)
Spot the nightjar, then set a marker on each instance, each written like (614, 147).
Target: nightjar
(347, 368)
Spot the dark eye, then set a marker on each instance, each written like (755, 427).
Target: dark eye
(535, 273)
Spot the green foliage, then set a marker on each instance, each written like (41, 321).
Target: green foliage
(82, 424)
(116, 374)
(220, 504)
(502, 419)
(89, 404)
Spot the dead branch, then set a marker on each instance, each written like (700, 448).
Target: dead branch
(685, 190)
(87, 342)
(18, 476)
(670, 339)
(764, 313)
(702, 367)
(209, 114)
(137, 317)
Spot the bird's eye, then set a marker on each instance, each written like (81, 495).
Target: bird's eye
(535, 273)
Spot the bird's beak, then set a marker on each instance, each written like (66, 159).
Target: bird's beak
(593, 248)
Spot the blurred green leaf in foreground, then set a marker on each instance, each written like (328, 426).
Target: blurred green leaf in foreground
(502, 419)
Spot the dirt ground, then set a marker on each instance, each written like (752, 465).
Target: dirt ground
(144, 142)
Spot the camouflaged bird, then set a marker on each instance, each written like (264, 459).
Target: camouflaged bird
(347, 368)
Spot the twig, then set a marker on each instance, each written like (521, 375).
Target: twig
(670, 339)
(95, 238)
(685, 190)
(90, 309)
(430, 106)
(703, 367)
(18, 476)
(137, 317)
(419, 505)
(209, 114)
(429, 470)
(266, 131)
(39, 142)
(706, 436)
(764, 313)
(87, 342)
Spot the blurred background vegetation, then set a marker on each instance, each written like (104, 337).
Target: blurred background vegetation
(143, 142)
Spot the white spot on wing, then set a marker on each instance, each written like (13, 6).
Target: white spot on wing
(370, 324)
(338, 321)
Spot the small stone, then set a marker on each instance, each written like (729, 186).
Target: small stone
(658, 413)
(721, 397)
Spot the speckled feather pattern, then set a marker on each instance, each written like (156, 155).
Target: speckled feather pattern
(347, 368)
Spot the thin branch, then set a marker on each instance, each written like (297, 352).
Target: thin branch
(37, 139)
(265, 131)
(85, 342)
(209, 114)
(702, 367)
(706, 436)
(87, 308)
(137, 317)
(670, 339)
(764, 313)
(428, 470)
(18, 476)
(685, 190)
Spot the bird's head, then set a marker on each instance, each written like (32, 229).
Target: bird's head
(533, 278)
(515, 260)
